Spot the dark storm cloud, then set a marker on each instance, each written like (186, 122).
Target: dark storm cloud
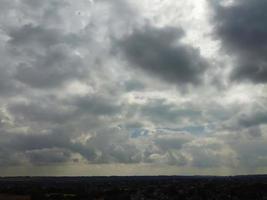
(243, 31)
(159, 51)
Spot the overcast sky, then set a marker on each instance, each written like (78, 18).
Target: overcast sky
(133, 87)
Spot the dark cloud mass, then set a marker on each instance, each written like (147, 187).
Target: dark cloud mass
(160, 51)
(242, 28)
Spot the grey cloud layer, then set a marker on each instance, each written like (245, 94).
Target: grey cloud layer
(66, 97)
(242, 29)
(46, 57)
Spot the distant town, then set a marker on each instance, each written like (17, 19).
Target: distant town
(134, 188)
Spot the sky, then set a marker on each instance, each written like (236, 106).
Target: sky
(133, 87)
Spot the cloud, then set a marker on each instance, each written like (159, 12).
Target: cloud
(134, 85)
(39, 141)
(30, 37)
(97, 83)
(209, 152)
(160, 111)
(249, 119)
(48, 156)
(114, 146)
(42, 110)
(160, 52)
(247, 148)
(175, 141)
(47, 58)
(39, 147)
(241, 26)
(97, 105)
(253, 119)
(9, 158)
(251, 153)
